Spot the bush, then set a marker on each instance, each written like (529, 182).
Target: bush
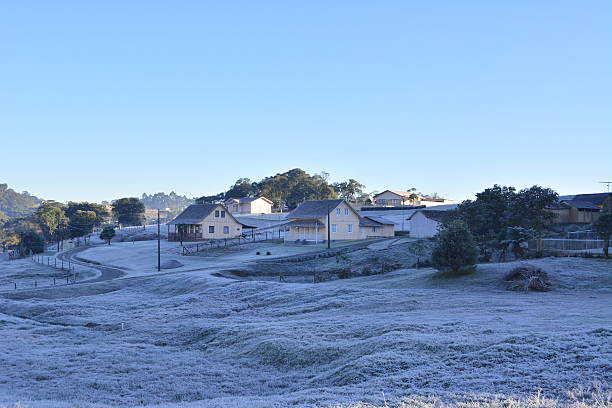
(527, 277)
(455, 248)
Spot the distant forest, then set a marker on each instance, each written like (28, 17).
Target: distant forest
(14, 204)
(164, 201)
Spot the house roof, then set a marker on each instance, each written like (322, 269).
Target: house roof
(400, 193)
(305, 223)
(439, 216)
(194, 214)
(248, 199)
(583, 205)
(585, 201)
(372, 221)
(314, 209)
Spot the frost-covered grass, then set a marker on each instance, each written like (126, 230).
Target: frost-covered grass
(29, 274)
(400, 340)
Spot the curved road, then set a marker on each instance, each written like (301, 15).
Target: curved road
(106, 272)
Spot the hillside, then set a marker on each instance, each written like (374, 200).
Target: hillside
(16, 204)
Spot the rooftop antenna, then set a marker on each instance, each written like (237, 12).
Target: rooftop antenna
(607, 183)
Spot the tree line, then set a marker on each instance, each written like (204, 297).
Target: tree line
(53, 221)
(287, 190)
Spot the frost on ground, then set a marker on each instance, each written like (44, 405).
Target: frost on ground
(26, 273)
(195, 340)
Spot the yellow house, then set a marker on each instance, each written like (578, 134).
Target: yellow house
(249, 205)
(309, 221)
(580, 208)
(200, 222)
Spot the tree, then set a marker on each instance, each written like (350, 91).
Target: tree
(603, 227)
(455, 248)
(349, 190)
(51, 217)
(32, 242)
(129, 211)
(498, 209)
(83, 217)
(82, 223)
(413, 196)
(243, 187)
(8, 238)
(107, 234)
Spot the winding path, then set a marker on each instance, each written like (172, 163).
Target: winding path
(106, 272)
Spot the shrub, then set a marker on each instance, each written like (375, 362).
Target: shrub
(527, 277)
(455, 248)
(268, 253)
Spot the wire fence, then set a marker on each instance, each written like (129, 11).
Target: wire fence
(564, 244)
(208, 245)
(67, 273)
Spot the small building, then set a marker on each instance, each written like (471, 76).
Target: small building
(396, 198)
(200, 222)
(249, 205)
(376, 227)
(580, 208)
(426, 223)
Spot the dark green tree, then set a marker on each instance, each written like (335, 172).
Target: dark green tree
(455, 248)
(107, 234)
(349, 190)
(129, 211)
(51, 218)
(243, 187)
(603, 227)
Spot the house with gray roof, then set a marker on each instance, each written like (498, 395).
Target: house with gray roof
(200, 222)
(315, 220)
(580, 208)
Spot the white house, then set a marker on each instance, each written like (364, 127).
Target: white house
(249, 205)
(425, 223)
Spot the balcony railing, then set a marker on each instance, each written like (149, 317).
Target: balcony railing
(185, 236)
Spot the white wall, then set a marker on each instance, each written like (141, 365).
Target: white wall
(423, 227)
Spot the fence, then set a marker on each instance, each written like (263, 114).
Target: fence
(69, 277)
(231, 242)
(563, 244)
(583, 235)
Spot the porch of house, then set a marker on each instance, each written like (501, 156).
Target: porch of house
(306, 230)
(185, 232)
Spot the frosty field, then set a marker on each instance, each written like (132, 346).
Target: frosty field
(191, 339)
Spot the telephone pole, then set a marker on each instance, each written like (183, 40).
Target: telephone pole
(158, 244)
(607, 183)
(328, 229)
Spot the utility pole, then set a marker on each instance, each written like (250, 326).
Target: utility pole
(158, 244)
(607, 183)
(328, 229)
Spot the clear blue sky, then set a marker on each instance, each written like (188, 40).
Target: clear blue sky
(104, 99)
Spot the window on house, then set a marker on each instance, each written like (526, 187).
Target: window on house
(334, 228)
(217, 213)
(373, 229)
(226, 230)
(222, 214)
(350, 228)
(211, 229)
(346, 211)
(337, 211)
